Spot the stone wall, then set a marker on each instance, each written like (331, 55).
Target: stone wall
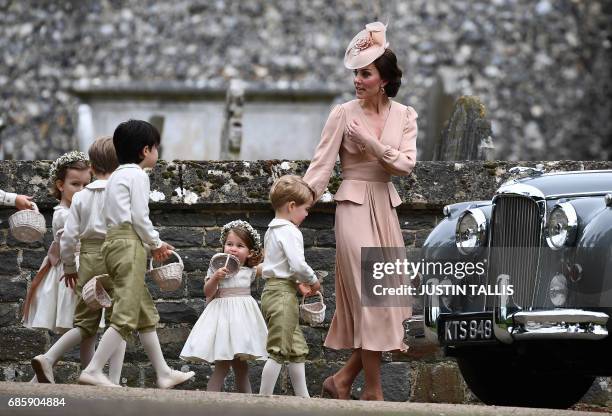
(542, 68)
(190, 202)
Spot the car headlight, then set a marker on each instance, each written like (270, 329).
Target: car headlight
(562, 226)
(471, 230)
(557, 290)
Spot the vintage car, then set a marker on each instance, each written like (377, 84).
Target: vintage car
(549, 238)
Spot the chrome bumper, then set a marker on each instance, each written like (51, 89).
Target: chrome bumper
(569, 324)
(548, 324)
(566, 324)
(559, 324)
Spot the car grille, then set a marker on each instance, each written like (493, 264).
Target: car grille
(516, 229)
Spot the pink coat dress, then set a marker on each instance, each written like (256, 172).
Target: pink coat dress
(365, 217)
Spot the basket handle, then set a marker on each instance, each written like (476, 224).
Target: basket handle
(318, 293)
(171, 252)
(35, 207)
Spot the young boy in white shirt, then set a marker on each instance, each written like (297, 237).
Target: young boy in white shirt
(128, 230)
(85, 224)
(284, 269)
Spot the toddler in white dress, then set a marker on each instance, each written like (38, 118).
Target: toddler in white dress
(50, 303)
(231, 330)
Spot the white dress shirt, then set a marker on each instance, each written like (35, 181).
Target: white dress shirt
(85, 221)
(284, 253)
(7, 198)
(127, 200)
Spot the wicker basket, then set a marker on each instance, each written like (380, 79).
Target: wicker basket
(169, 276)
(227, 260)
(94, 294)
(313, 313)
(28, 225)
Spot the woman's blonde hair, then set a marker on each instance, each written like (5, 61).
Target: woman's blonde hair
(289, 188)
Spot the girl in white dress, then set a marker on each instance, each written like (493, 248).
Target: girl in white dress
(231, 330)
(50, 302)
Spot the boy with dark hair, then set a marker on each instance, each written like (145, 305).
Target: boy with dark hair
(128, 230)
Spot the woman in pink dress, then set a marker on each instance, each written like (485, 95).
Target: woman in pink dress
(375, 138)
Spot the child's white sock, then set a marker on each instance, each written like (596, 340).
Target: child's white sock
(87, 350)
(269, 375)
(43, 364)
(150, 343)
(66, 342)
(93, 374)
(166, 377)
(297, 374)
(116, 364)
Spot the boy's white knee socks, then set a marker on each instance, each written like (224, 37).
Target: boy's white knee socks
(87, 350)
(166, 377)
(110, 341)
(66, 342)
(269, 375)
(93, 374)
(150, 343)
(116, 363)
(297, 374)
(43, 364)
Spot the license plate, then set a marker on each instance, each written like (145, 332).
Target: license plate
(467, 330)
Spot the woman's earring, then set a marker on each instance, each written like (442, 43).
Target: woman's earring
(382, 90)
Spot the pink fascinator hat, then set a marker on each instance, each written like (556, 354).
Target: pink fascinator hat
(366, 46)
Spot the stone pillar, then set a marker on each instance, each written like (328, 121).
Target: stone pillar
(440, 99)
(467, 135)
(158, 122)
(231, 135)
(85, 127)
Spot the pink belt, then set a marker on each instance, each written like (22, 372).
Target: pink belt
(365, 171)
(233, 292)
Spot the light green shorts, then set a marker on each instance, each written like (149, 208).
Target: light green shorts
(279, 305)
(91, 264)
(126, 262)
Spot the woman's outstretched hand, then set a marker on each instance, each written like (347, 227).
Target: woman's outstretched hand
(23, 202)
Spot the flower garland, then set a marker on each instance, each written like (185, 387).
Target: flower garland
(244, 225)
(65, 159)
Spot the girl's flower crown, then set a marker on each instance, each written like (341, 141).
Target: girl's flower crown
(245, 226)
(66, 159)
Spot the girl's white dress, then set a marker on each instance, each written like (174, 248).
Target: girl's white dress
(53, 304)
(230, 327)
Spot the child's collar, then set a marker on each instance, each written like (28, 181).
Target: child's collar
(97, 184)
(129, 166)
(279, 222)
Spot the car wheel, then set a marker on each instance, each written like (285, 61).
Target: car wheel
(509, 381)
